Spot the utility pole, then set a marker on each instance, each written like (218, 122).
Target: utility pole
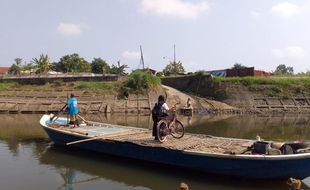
(174, 53)
(141, 59)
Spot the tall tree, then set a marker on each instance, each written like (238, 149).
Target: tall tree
(18, 61)
(174, 68)
(42, 63)
(99, 66)
(16, 67)
(282, 69)
(238, 66)
(73, 63)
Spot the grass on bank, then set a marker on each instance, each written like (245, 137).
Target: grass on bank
(138, 82)
(284, 86)
(6, 86)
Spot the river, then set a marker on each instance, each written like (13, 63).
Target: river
(28, 160)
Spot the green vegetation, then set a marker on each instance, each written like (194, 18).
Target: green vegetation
(97, 87)
(138, 82)
(174, 68)
(16, 67)
(6, 85)
(284, 70)
(72, 63)
(42, 64)
(238, 66)
(283, 86)
(118, 69)
(99, 66)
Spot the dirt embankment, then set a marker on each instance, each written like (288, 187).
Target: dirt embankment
(52, 101)
(199, 104)
(249, 95)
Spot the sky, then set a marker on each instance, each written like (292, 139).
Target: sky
(207, 34)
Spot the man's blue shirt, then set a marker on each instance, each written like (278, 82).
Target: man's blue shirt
(72, 106)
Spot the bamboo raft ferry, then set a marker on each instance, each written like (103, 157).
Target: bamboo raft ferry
(218, 155)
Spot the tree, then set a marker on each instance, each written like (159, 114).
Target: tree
(28, 67)
(99, 66)
(118, 69)
(174, 68)
(72, 63)
(282, 69)
(18, 61)
(159, 74)
(16, 67)
(238, 66)
(42, 64)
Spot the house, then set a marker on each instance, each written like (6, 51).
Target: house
(4, 70)
(152, 71)
(242, 72)
(247, 71)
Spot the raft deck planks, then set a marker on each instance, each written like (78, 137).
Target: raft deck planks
(191, 142)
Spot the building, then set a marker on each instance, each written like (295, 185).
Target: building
(4, 70)
(242, 72)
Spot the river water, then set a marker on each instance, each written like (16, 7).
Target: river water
(28, 160)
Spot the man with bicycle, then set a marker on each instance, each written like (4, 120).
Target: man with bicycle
(159, 111)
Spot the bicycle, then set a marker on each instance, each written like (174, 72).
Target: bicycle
(170, 126)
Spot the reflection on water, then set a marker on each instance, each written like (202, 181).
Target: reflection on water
(27, 155)
(69, 176)
(280, 128)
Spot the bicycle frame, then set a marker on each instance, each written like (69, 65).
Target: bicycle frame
(171, 121)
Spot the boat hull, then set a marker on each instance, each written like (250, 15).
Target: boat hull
(257, 166)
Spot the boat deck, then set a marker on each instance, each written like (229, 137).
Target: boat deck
(190, 142)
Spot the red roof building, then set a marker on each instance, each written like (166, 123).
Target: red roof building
(247, 71)
(4, 70)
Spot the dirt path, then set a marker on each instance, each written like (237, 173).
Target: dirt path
(174, 96)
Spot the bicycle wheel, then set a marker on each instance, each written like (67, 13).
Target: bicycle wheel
(177, 129)
(162, 130)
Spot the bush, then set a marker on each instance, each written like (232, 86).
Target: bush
(139, 82)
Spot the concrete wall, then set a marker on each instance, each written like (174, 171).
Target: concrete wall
(51, 78)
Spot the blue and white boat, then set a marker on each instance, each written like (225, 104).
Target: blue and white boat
(217, 155)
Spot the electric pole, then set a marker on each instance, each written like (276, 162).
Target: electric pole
(141, 59)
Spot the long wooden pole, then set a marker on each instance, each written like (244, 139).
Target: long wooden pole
(59, 112)
(84, 140)
(105, 136)
(82, 118)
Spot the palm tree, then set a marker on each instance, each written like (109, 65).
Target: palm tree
(118, 69)
(43, 64)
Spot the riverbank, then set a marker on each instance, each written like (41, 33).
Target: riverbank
(208, 95)
(250, 94)
(94, 97)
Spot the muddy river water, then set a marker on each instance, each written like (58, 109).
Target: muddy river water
(29, 160)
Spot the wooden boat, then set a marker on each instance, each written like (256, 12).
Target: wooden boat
(218, 155)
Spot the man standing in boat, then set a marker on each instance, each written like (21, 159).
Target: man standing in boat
(159, 111)
(72, 109)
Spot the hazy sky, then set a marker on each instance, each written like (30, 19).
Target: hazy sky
(208, 34)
